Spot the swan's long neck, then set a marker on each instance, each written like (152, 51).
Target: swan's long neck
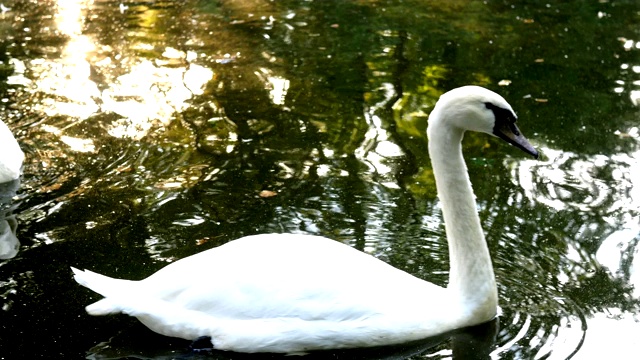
(471, 274)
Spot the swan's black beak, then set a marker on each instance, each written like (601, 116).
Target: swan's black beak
(508, 131)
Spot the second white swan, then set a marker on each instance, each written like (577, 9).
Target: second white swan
(289, 293)
(11, 156)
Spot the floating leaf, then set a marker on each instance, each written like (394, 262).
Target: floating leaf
(267, 193)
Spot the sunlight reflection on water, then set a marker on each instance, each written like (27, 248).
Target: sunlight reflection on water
(162, 140)
(144, 92)
(607, 185)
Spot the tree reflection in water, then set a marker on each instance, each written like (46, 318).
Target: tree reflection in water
(152, 129)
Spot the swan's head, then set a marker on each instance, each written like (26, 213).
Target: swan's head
(475, 108)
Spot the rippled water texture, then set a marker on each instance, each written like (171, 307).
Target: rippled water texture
(154, 130)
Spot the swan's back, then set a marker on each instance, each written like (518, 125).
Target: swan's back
(300, 271)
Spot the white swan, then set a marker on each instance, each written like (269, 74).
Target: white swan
(289, 293)
(11, 156)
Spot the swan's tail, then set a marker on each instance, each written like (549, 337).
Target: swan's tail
(105, 286)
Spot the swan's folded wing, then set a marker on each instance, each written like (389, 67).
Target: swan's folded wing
(253, 278)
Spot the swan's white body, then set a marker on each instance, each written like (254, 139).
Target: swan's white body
(11, 156)
(291, 293)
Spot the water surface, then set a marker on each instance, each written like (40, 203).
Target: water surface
(156, 130)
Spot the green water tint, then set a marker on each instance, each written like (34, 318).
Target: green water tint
(158, 130)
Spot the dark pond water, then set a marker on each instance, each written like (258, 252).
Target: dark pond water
(154, 130)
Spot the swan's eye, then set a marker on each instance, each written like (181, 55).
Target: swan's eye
(504, 117)
(514, 128)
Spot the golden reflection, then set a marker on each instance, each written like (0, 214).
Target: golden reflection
(277, 85)
(77, 144)
(67, 79)
(69, 17)
(279, 89)
(146, 93)
(18, 78)
(149, 96)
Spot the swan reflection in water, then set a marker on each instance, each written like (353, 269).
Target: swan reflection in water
(472, 343)
(11, 158)
(9, 244)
